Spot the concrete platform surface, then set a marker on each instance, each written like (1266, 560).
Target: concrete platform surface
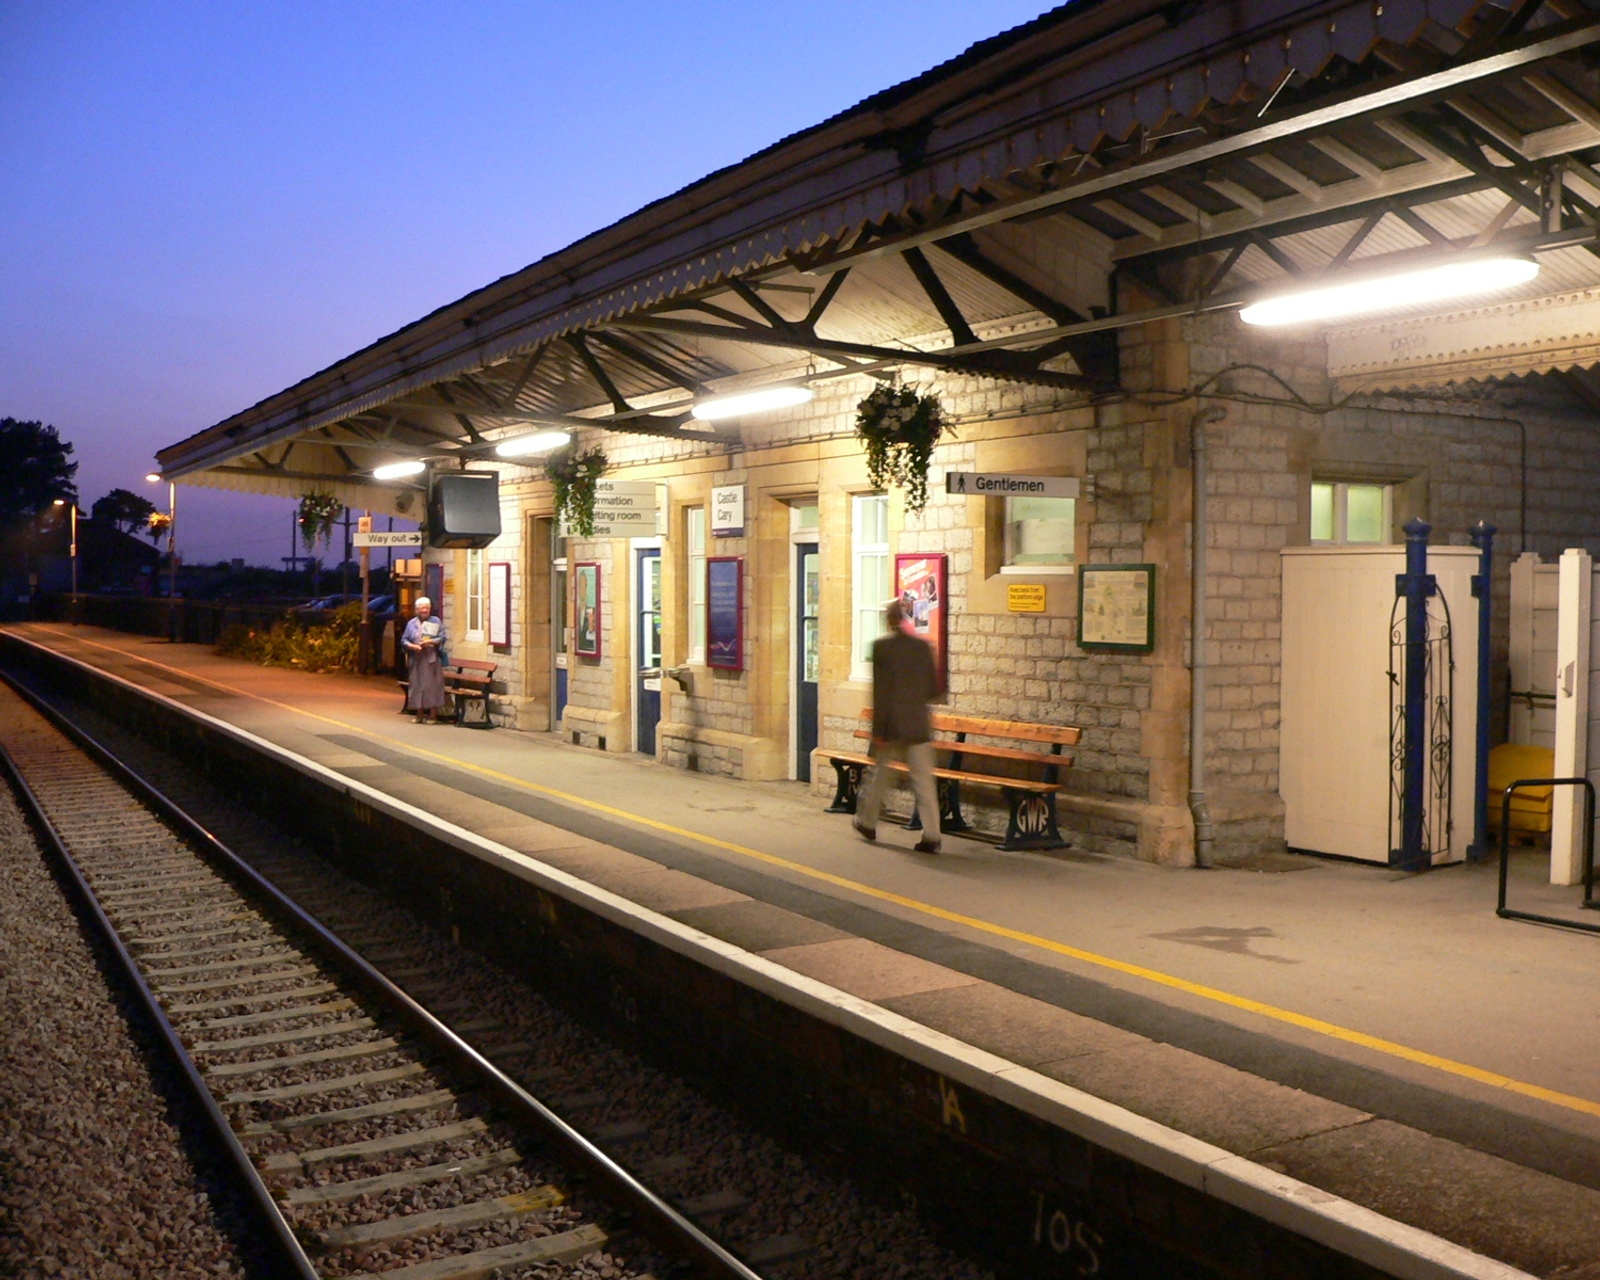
(1385, 1037)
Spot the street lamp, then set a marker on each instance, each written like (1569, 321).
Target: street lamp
(73, 507)
(155, 477)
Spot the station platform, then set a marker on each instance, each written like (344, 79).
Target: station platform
(1383, 1037)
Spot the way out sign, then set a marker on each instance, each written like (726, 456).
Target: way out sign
(398, 538)
(1000, 484)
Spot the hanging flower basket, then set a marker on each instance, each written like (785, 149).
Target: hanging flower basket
(573, 475)
(898, 427)
(318, 514)
(157, 525)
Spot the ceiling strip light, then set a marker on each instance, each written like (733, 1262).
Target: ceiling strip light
(739, 403)
(1383, 293)
(398, 470)
(539, 442)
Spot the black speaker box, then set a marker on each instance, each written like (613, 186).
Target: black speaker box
(464, 510)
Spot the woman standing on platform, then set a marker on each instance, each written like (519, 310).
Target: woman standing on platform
(424, 641)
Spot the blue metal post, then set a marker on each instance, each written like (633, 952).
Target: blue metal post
(1482, 538)
(1416, 584)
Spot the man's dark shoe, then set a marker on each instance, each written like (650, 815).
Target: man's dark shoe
(864, 831)
(926, 846)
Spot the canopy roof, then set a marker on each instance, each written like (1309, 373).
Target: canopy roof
(1163, 159)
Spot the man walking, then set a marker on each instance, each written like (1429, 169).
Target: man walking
(904, 681)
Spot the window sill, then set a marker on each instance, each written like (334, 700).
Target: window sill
(1037, 570)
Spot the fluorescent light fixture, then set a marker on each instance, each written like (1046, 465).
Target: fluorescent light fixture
(739, 403)
(1382, 293)
(395, 470)
(539, 442)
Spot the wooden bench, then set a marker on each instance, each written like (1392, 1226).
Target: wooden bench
(997, 763)
(468, 682)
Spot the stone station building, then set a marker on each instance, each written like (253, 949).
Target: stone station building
(1054, 234)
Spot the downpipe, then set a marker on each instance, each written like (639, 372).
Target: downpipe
(1199, 455)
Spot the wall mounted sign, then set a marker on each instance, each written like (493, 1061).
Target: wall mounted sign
(398, 538)
(727, 511)
(1025, 597)
(1117, 608)
(626, 508)
(999, 484)
(725, 612)
(586, 609)
(500, 604)
(919, 582)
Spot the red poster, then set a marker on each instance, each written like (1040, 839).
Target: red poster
(919, 581)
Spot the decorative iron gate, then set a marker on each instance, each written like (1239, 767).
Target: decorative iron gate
(1438, 695)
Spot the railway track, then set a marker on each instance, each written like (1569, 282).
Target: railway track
(373, 1138)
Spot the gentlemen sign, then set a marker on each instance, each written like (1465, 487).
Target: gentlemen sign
(997, 484)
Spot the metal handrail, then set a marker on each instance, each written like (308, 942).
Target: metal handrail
(1588, 852)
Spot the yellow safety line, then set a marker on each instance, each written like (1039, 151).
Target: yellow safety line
(1304, 1021)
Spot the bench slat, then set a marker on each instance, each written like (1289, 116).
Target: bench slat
(955, 775)
(1023, 730)
(992, 753)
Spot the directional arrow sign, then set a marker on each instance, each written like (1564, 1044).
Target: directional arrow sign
(396, 539)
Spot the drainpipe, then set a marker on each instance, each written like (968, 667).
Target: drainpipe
(1204, 832)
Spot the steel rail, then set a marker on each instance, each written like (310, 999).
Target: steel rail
(656, 1218)
(282, 1235)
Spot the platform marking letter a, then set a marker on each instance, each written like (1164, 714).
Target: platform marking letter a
(952, 1106)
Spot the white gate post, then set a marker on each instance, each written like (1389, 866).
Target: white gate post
(1572, 715)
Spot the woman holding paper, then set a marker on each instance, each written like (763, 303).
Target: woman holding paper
(424, 641)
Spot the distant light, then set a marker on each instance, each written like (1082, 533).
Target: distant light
(155, 477)
(1381, 293)
(539, 442)
(743, 402)
(59, 502)
(395, 470)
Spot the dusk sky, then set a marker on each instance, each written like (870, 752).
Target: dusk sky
(201, 204)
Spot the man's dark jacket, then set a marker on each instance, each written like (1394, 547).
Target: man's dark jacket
(904, 681)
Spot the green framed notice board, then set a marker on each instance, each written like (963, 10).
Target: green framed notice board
(1117, 608)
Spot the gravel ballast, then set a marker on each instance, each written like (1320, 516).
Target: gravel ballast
(98, 1139)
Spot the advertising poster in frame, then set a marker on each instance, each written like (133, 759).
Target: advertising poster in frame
(919, 582)
(500, 605)
(1117, 608)
(586, 609)
(725, 612)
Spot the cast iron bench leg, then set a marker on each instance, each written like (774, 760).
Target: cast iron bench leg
(950, 818)
(1032, 824)
(848, 786)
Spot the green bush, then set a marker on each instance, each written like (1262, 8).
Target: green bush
(333, 646)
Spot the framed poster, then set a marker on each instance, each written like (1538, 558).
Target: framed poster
(1117, 608)
(919, 582)
(725, 612)
(500, 605)
(586, 609)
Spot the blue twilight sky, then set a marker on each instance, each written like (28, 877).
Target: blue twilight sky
(202, 203)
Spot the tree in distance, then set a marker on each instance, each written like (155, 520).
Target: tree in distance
(34, 470)
(125, 510)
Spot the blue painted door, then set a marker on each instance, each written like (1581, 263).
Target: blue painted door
(647, 647)
(808, 653)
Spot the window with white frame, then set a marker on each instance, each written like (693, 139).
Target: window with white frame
(1348, 512)
(695, 541)
(1041, 533)
(475, 594)
(869, 578)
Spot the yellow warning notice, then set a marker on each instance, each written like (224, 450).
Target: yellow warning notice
(1025, 597)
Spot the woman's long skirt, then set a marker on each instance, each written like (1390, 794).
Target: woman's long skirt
(426, 689)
